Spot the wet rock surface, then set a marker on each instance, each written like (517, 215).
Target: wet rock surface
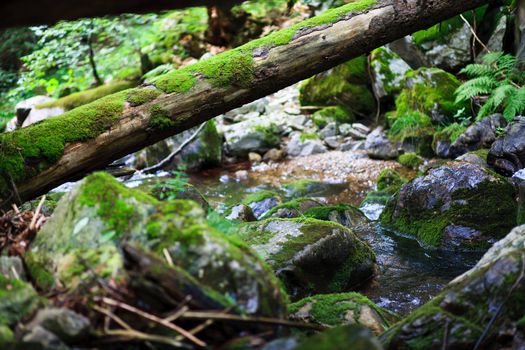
(456, 206)
(507, 154)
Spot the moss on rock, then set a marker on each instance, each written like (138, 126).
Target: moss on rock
(340, 309)
(338, 114)
(410, 160)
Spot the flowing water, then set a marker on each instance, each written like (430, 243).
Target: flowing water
(409, 275)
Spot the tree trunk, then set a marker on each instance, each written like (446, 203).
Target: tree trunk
(185, 98)
(20, 13)
(519, 31)
(92, 63)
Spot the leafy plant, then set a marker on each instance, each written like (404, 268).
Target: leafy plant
(498, 83)
(169, 188)
(410, 121)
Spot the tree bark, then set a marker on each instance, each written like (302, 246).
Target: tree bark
(18, 13)
(313, 48)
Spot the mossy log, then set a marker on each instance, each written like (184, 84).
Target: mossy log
(64, 148)
(17, 13)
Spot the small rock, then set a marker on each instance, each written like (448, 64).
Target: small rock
(378, 146)
(344, 129)
(333, 142)
(298, 147)
(473, 159)
(254, 157)
(329, 130)
(67, 325)
(507, 154)
(241, 213)
(45, 339)
(274, 155)
(241, 175)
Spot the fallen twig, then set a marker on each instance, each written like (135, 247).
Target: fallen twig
(155, 319)
(174, 153)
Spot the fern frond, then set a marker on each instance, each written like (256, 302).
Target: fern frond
(492, 57)
(488, 108)
(502, 92)
(477, 70)
(475, 87)
(514, 104)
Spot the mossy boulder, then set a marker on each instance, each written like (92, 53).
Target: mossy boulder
(353, 337)
(389, 71)
(429, 91)
(261, 202)
(389, 182)
(293, 208)
(484, 306)
(312, 256)
(251, 136)
(18, 302)
(84, 241)
(346, 84)
(456, 206)
(342, 309)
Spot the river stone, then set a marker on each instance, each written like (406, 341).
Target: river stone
(456, 206)
(312, 256)
(389, 70)
(261, 202)
(292, 209)
(300, 147)
(484, 304)
(67, 325)
(241, 212)
(100, 217)
(332, 310)
(378, 146)
(507, 154)
(42, 339)
(481, 134)
(353, 337)
(251, 136)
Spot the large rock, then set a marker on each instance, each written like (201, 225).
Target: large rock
(301, 145)
(204, 151)
(481, 134)
(342, 309)
(27, 114)
(378, 146)
(507, 154)
(312, 256)
(429, 91)
(483, 308)
(102, 230)
(250, 136)
(389, 70)
(456, 206)
(346, 84)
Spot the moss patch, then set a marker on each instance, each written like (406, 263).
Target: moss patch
(258, 196)
(140, 96)
(410, 160)
(26, 152)
(84, 97)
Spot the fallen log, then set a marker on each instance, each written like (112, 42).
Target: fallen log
(15, 13)
(36, 159)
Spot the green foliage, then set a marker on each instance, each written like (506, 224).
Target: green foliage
(169, 188)
(410, 121)
(498, 82)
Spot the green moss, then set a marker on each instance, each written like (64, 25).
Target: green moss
(269, 134)
(18, 300)
(337, 113)
(26, 152)
(84, 97)
(159, 118)
(331, 309)
(346, 84)
(482, 153)
(303, 187)
(259, 196)
(112, 199)
(140, 96)
(323, 212)
(41, 277)
(390, 180)
(6, 335)
(294, 204)
(490, 209)
(305, 136)
(410, 160)
(429, 91)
